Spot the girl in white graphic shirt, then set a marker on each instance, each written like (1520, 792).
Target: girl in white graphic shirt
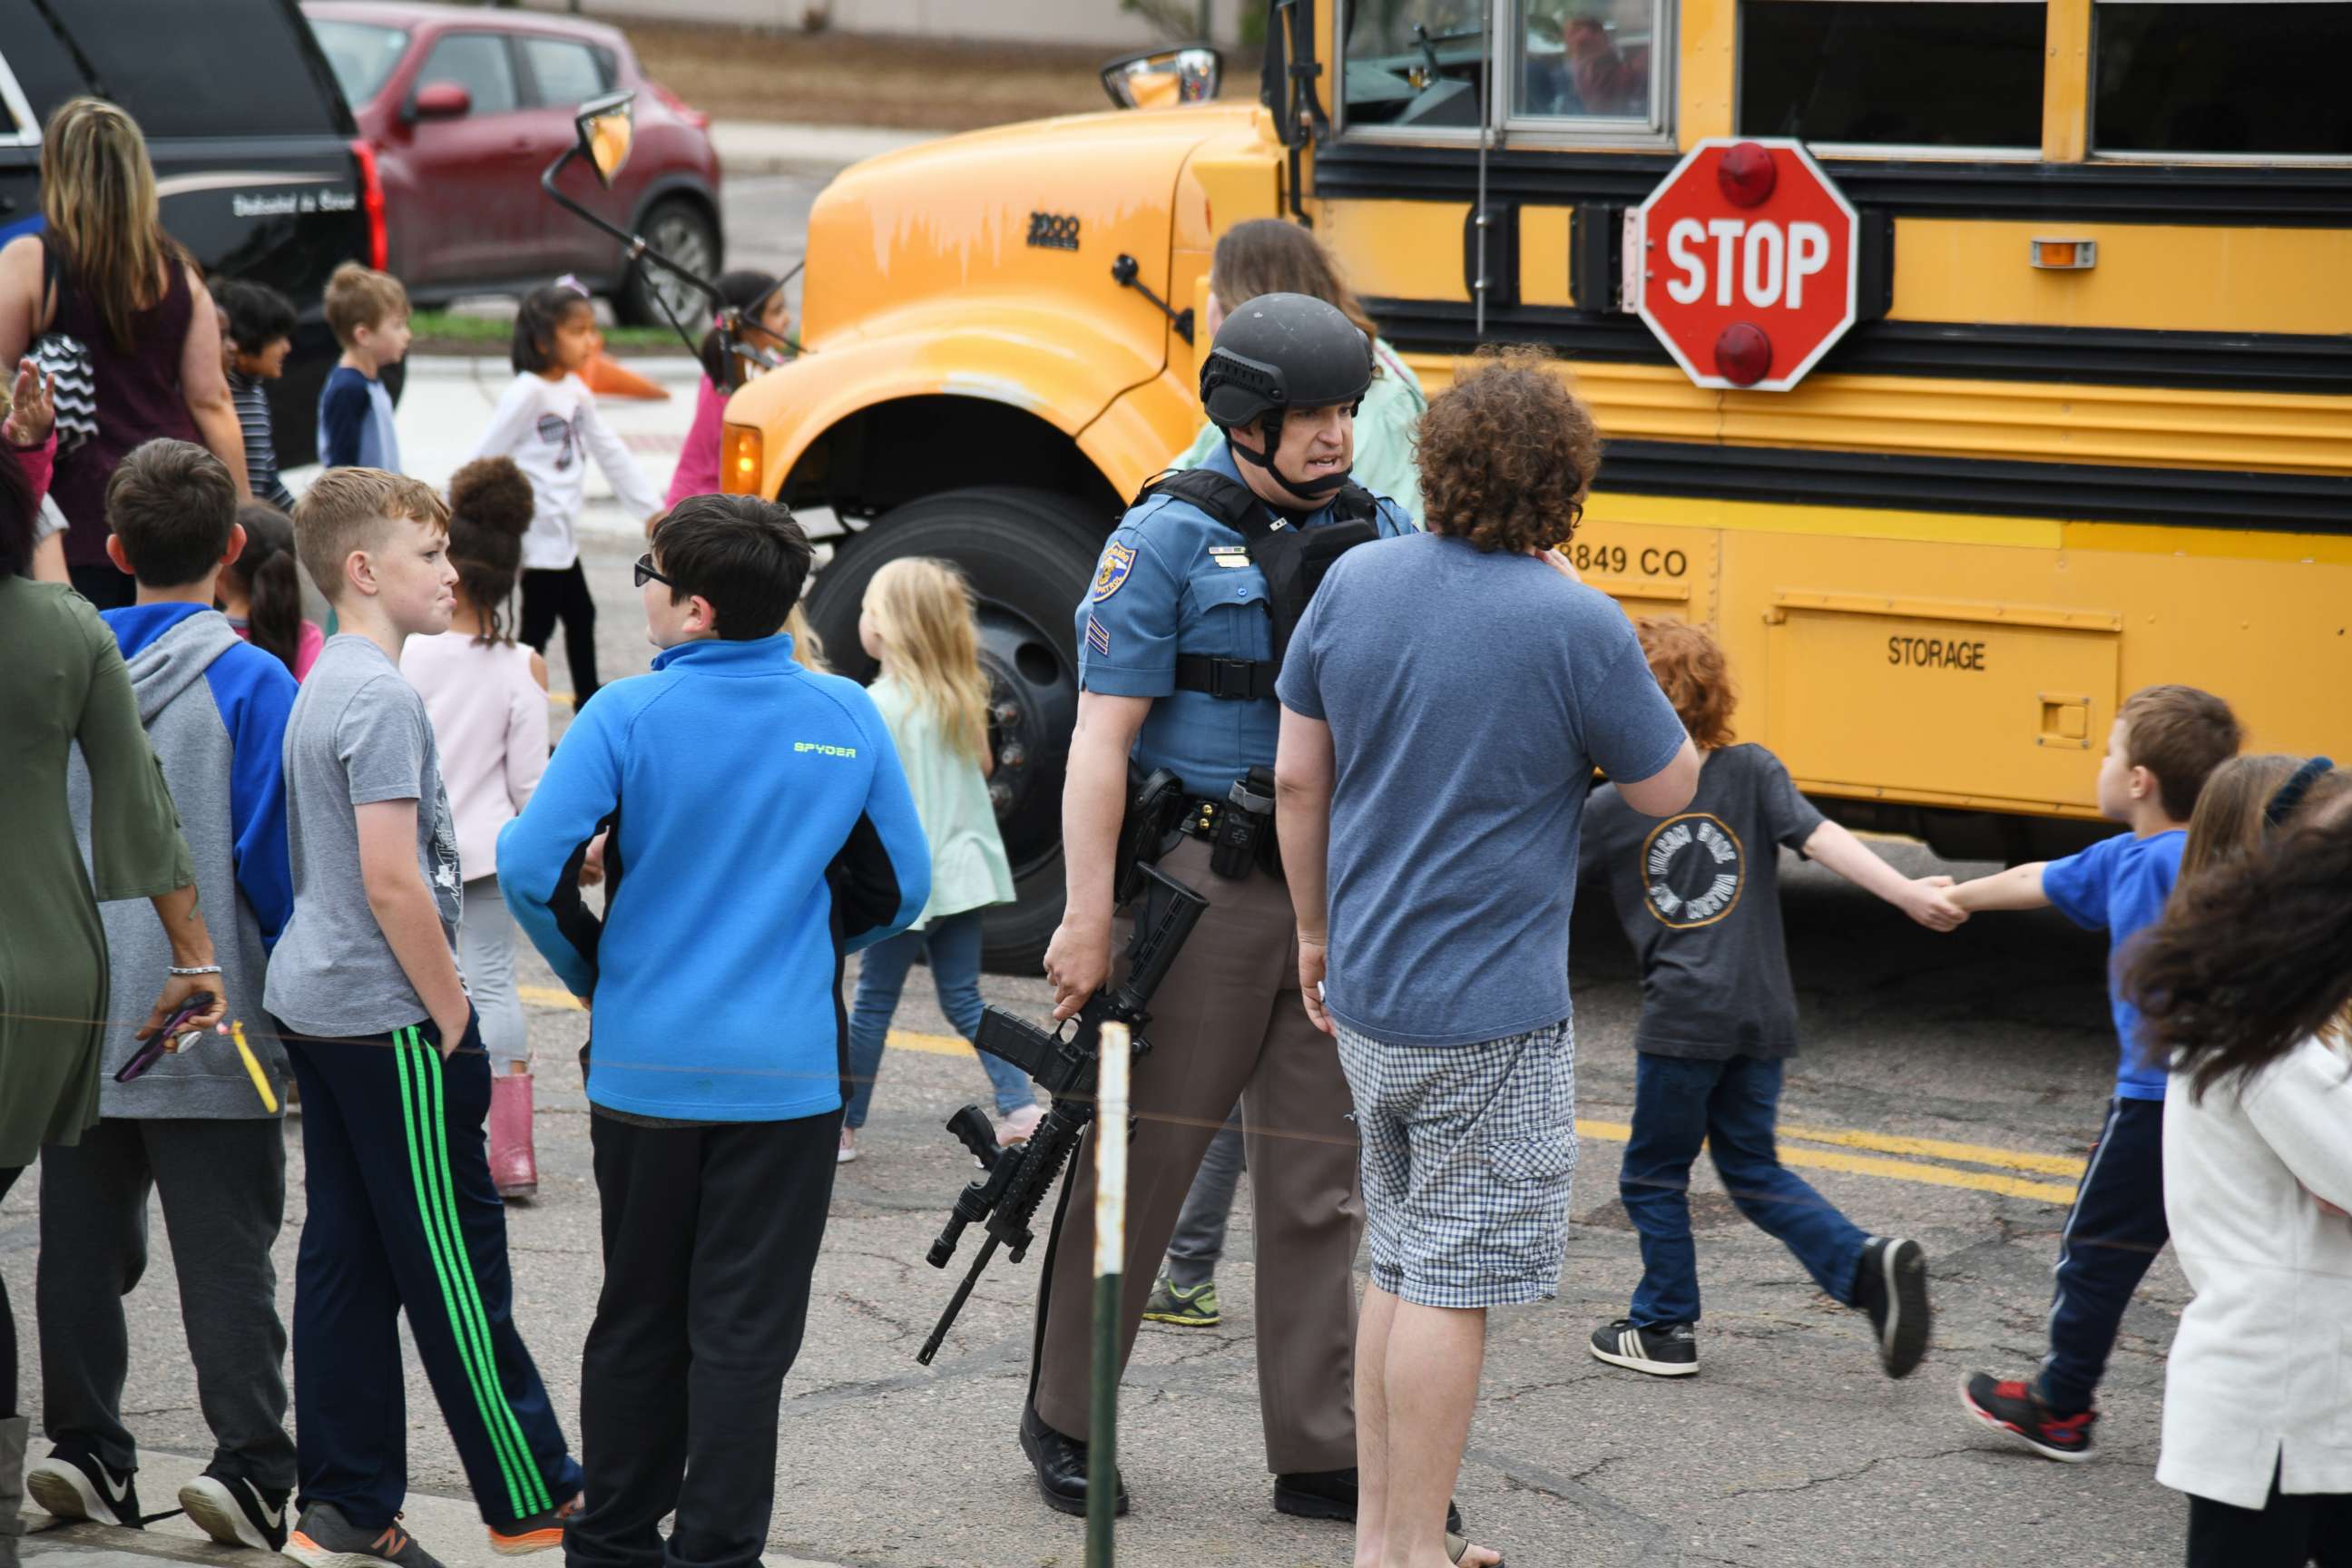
(546, 421)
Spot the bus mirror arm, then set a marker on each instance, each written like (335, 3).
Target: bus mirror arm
(635, 250)
(1124, 273)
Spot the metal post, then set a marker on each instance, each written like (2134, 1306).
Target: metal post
(1486, 137)
(1110, 1254)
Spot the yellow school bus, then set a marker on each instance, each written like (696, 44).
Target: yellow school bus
(2090, 429)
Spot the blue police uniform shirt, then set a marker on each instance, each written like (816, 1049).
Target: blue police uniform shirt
(1173, 580)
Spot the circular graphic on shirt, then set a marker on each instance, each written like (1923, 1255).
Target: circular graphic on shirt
(1692, 870)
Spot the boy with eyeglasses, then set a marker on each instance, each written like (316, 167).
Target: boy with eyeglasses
(758, 818)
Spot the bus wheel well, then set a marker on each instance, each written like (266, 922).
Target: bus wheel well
(893, 453)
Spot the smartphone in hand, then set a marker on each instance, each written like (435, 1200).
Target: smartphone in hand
(150, 1053)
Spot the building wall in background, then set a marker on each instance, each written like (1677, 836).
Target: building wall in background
(1092, 22)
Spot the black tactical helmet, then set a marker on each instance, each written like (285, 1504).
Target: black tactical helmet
(1279, 352)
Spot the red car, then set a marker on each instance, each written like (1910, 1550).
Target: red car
(464, 108)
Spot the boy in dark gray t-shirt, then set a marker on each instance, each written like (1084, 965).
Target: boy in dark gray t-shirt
(1698, 894)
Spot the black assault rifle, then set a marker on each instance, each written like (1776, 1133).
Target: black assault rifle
(1064, 1063)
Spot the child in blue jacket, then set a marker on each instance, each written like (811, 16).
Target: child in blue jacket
(760, 827)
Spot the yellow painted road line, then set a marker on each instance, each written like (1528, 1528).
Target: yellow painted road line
(1619, 1132)
(1936, 1149)
(549, 997)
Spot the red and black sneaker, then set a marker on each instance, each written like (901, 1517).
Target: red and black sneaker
(2011, 1406)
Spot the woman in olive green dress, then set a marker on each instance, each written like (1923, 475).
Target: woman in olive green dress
(62, 681)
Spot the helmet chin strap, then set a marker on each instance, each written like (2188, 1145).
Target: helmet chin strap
(1312, 489)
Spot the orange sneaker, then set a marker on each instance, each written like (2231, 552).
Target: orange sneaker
(540, 1532)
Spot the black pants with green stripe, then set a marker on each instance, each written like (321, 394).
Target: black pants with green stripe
(403, 1216)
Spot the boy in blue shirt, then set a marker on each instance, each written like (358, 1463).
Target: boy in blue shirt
(215, 710)
(369, 312)
(2165, 741)
(760, 827)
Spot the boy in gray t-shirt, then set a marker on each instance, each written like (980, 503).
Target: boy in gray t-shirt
(359, 736)
(395, 1083)
(1698, 894)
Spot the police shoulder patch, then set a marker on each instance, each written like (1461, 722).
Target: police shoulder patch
(1118, 562)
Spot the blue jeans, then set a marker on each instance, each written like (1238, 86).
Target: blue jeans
(953, 945)
(1732, 1106)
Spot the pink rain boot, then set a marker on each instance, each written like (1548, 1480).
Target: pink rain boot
(513, 1166)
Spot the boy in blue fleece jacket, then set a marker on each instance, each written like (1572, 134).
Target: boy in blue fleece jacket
(215, 710)
(760, 827)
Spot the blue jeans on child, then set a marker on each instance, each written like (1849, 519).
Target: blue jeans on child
(952, 944)
(1732, 1106)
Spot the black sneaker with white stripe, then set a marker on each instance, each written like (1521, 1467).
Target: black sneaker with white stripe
(1665, 1350)
(1891, 1284)
(236, 1513)
(74, 1483)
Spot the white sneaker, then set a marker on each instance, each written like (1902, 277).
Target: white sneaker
(848, 1149)
(1017, 1126)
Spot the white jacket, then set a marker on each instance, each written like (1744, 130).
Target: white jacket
(551, 430)
(2260, 1382)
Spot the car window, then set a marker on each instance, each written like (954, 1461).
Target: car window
(361, 54)
(567, 73)
(479, 63)
(190, 70)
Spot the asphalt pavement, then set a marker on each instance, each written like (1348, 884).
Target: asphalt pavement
(1949, 1090)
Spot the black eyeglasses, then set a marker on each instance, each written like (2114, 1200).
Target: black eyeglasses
(646, 571)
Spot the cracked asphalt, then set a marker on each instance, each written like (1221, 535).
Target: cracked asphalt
(1788, 1450)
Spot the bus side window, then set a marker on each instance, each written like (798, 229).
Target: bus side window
(1894, 73)
(1590, 59)
(2244, 78)
(1415, 65)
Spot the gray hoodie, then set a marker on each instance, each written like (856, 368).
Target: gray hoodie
(215, 710)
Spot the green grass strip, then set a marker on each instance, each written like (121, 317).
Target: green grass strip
(469, 1292)
(417, 1170)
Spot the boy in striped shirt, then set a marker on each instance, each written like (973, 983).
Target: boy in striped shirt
(256, 334)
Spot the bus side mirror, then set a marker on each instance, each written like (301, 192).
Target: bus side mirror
(607, 127)
(1161, 78)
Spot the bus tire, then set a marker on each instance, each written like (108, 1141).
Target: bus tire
(1030, 557)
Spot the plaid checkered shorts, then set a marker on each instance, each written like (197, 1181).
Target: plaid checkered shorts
(1468, 1155)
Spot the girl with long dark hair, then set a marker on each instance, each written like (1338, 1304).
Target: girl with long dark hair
(261, 592)
(757, 299)
(2246, 989)
(547, 422)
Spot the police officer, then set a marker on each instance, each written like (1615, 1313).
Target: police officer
(1177, 659)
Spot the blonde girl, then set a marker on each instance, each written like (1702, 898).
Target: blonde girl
(917, 624)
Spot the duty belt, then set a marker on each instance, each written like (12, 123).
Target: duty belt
(1228, 680)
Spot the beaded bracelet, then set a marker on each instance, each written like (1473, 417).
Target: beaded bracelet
(197, 969)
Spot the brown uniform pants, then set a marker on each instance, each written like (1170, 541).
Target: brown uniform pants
(1228, 1024)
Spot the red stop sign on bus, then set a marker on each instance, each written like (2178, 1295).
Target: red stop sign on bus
(1747, 263)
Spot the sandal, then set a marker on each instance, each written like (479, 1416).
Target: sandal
(1458, 1547)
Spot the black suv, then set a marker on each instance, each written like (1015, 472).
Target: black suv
(256, 159)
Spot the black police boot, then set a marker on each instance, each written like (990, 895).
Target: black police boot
(1061, 1466)
(1331, 1494)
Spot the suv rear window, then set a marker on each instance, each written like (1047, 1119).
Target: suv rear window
(193, 70)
